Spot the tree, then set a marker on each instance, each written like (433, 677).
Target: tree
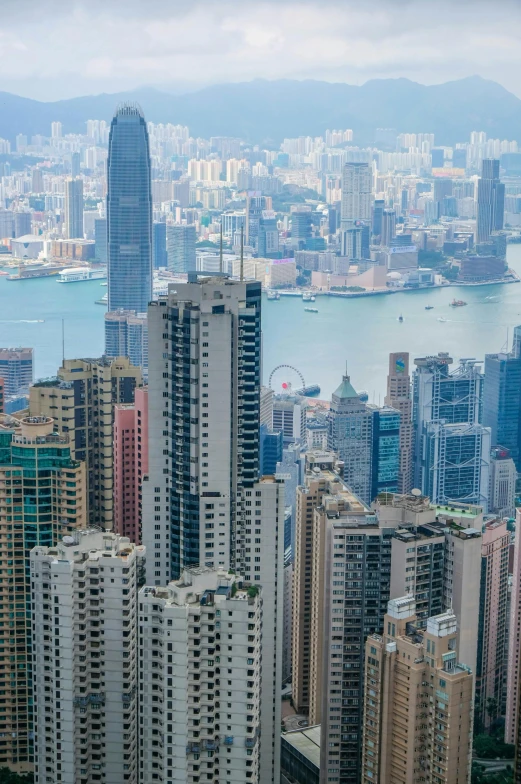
(8, 777)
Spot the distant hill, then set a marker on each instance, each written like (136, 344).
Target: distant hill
(267, 111)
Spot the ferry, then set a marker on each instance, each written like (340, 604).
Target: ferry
(311, 310)
(79, 274)
(429, 307)
(457, 303)
(440, 318)
(308, 296)
(273, 295)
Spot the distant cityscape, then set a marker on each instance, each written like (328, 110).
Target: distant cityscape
(205, 578)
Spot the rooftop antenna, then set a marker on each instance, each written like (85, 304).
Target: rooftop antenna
(221, 264)
(242, 253)
(63, 342)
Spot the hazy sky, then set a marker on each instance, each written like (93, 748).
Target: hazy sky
(53, 49)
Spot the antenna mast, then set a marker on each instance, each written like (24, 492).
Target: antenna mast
(242, 253)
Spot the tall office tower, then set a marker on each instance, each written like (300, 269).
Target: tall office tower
(320, 478)
(180, 247)
(388, 227)
(440, 396)
(205, 724)
(1, 395)
(75, 164)
(357, 197)
(84, 652)
(289, 417)
(456, 463)
(418, 701)
(301, 227)
(126, 335)
(513, 711)
(205, 336)
(502, 398)
(256, 204)
(16, 368)
(271, 447)
(266, 406)
(37, 181)
(100, 240)
(493, 624)
(42, 497)
(268, 240)
(22, 223)
(491, 201)
(129, 212)
(503, 476)
(74, 209)
(399, 397)
(6, 224)
(378, 211)
(81, 400)
(159, 254)
(130, 464)
(351, 437)
(354, 241)
(349, 593)
(385, 466)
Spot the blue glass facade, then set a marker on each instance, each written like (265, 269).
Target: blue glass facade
(502, 399)
(386, 451)
(129, 212)
(270, 450)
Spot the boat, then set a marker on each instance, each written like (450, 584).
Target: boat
(429, 307)
(79, 274)
(311, 310)
(103, 300)
(273, 295)
(457, 303)
(308, 296)
(104, 284)
(440, 318)
(400, 318)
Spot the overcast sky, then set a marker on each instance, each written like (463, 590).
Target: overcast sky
(52, 49)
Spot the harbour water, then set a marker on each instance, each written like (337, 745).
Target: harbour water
(357, 333)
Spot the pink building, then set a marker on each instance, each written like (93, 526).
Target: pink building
(513, 682)
(491, 659)
(130, 464)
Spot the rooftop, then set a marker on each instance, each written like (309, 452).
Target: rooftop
(306, 742)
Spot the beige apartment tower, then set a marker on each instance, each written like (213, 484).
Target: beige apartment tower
(399, 397)
(418, 702)
(81, 400)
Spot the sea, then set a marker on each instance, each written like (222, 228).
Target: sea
(353, 336)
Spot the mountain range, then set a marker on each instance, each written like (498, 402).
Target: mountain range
(263, 112)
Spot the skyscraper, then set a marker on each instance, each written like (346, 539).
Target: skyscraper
(126, 335)
(74, 209)
(42, 497)
(385, 465)
(203, 503)
(159, 244)
(409, 671)
(16, 368)
(351, 437)
(85, 643)
(399, 397)
(502, 398)
(491, 201)
(129, 212)
(356, 192)
(513, 712)
(100, 239)
(180, 247)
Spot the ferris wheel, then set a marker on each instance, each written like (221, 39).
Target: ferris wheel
(285, 379)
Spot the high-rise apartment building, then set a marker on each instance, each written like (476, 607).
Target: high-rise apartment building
(503, 477)
(1, 395)
(268, 239)
(502, 398)
(513, 711)
(129, 212)
(351, 437)
(16, 368)
(204, 403)
(491, 201)
(180, 247)
(357, 197)
(85, 639)
(199, 690)
(130, 464)
(126, 335)
(42, 497)
(256, 205)
(81, 400)
(493, 624)
(399, 397)
(418, 701)
(74, 208)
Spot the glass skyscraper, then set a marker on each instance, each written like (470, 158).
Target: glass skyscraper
(502, 398)
(129, 212)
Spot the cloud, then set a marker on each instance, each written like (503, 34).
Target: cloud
(54, 49)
